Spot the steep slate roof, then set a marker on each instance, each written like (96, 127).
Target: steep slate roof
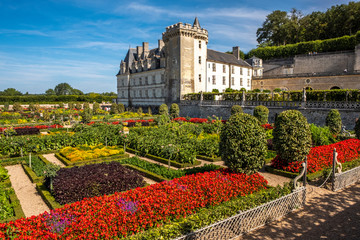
(225, 58)
(130, 56)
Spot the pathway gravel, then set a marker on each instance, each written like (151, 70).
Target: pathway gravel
(51, 158)
(30, 201)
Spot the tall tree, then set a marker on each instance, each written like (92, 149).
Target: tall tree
(63, 89)
(50, 91)
(273, 31)
(10, 92)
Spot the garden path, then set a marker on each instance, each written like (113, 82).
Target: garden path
(30, 201)
(51, 158)
(326, 215)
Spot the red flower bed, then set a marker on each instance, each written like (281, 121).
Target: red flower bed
(124, 213)
(267, 126)
(38, 127)
(322, 156)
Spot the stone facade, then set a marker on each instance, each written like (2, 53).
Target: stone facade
(318, 71)
(181, 64)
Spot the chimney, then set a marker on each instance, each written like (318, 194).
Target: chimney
(236, 52)
(139, 51)
(160, 44)
(146, 49)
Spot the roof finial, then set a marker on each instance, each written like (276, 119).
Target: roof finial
(196, 23)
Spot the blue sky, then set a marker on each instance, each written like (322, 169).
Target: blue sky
(81, 42)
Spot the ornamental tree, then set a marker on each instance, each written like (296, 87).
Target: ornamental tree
(243, 144)
(174, 110)
(163, 109)
(333, 121)
(292, 136)
(261, 113)
(236, 109)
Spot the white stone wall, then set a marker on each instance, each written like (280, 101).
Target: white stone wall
(145, 88)
(200, 53)
(227, 76)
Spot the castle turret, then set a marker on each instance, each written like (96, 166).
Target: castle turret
(185, 50)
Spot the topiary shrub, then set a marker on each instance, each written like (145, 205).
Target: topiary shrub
(243, 144)
(139, 111)
(357, 128)
(114, 109)
(86, 115)
(120, 108)
(17, 107)
(96, 107)
(163, 109)
(292, 136)
(261, 113)
(86, 105)
(174, 110)
(236, 109)
(149, 111)
(333, 121)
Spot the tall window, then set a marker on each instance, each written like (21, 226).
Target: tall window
(214, 67)
(241, 81)
(146, 80)
(214, 80)
(154, 92)
(200, 59)
(248, 72)
(199, 77)
(248, 82)
(224, 80)
(232, 69)
(241, 73)
(224, 69)
(232, 81)
(199, 44)
(153, 79)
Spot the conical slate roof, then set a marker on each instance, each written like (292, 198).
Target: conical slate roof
(196, 23)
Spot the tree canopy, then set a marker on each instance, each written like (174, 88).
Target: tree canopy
(66, 89)
(282, 28)
(10, 92)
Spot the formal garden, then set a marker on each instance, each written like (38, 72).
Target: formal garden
(135, 175)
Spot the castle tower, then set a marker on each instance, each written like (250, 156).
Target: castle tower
(186, 52)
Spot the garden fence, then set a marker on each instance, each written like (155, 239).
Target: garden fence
(344, 179)
(243, 222)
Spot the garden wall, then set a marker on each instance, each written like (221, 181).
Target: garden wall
(316, 116)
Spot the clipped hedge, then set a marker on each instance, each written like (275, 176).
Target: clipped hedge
(55, 98)
(329, 45)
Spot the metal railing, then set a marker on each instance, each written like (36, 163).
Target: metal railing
(344, 179)
(243, 222)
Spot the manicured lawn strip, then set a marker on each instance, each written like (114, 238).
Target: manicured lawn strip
(66, 162)
(141, 208)
(208, 216)
(31, 174)
(163, 160)
(209, 159)
(7, 161)
(18, 212)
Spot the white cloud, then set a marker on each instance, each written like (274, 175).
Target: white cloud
(23, 31)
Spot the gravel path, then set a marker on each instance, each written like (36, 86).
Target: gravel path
(326, 215)
(30, 200)
(51, 158)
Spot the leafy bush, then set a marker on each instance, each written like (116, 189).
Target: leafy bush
(86, 115)
(17, 107)
(261, 113)
(163, 109)
(236, 109)
(357, 128)
(174, 110)
(243, 143)
(333, 121)
(321, 135)
(114, 109)
(37, 165)
(120, 108)
(76, 183)
(96, 107)
(292, 136)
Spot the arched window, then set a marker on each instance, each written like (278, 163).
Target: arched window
(335, 87)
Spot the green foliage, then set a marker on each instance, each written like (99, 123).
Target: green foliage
(78, 106)
(6, 106)
(96, 107)
(243, 143)
(321, 135)
(292, 136)
(357, 128)
(120, 107)
(215, 90)
(71, 105)
(149, 111)
(86, 105)
(114, 109)
(261, 113)
(174, 110)
(139, 111)
(17, 107)
(333, 121)
(229, 90)
(163, 109)
(42, 98)
(162, 120)
(277, 90)
(236, 109)
(10, 92)
(86, 115)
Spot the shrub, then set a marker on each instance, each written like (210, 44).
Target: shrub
(262, 114)
(78, 106)
(86, 105)
(333, 121)
(321, 135)
(17, 107)
(96, 107)
(86, 115)
(292, 136)
(139, 111)
(149, 111)
(114, 109)
(357, 128)
(120, 108)
(243, 143)
(174, 110)
(6, 106)
(236, 109)
(61, 105)
(163, 109)
(74, 184)
(71, 105)
(215, 90)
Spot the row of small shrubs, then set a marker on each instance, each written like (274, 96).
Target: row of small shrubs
(55, 98)
(313, 95)
(290, 50)
(74, 184)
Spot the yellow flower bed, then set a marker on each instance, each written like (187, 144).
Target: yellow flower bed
(85, 152)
